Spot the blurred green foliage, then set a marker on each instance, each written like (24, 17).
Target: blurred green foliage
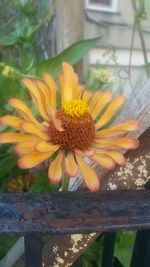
(124, 247)
(123, 250)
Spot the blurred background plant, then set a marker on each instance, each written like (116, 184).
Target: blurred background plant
(99, 77)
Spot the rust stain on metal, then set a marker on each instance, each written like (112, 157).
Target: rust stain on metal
(34, 214)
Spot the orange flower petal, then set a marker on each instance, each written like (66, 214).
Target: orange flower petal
(75, 89)
(55, 168)
(78, 91)
(101, 103)
(57, 122)
(23, 110)
(126, 143)
(33, 159)
(16, 137)
(86, 95)
(25, 147)
(127, 126)
(52, 89)
(114, 106)
(89, 175)
(62, 85)
(45, 91)
(94, 99)
(115, 155)
(36, 97)
(11, 121)
(70, 165)
(46, 147)
(69, 81)
(104, 160)
(31, 128)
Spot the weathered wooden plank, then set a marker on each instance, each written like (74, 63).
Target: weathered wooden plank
(64, 249)
(65, 212)
(69, 26)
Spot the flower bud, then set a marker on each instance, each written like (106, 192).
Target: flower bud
(11, 72)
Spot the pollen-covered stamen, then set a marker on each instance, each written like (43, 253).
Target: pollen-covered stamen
(75, 108)
(78, 132)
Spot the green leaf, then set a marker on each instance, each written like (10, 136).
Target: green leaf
(124, 247)
(72, 54)
(7, 164)
(6, 40)
(43, 184)
(6, 243)
(9, 89)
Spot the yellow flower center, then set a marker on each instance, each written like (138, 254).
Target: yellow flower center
(75, 108)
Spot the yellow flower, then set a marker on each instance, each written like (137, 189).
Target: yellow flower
(75, 131)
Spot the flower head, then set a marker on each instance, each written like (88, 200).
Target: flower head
(77, 129)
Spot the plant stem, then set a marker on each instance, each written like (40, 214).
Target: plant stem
(65, 183)
(30, 76)
(143, 48)
(139, 28)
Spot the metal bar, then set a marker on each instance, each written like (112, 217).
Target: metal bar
(33, 251)
(68, 212)
(117, 263)
(108, 250)
(141, 251)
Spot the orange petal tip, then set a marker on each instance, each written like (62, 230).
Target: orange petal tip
(113, 166)
(123, 97)
(54, 180)
(67, 170)
(136, 144)
(20, 164)
(94, 188)
(10, 101)
(122, 162)
(24, 80)
(70, 174)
